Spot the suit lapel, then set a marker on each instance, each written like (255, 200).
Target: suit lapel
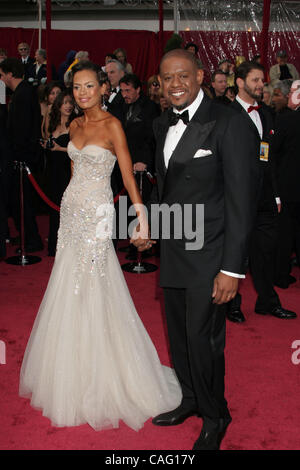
(194, 135)
(264, 123)
(240, 108)
(192, 139)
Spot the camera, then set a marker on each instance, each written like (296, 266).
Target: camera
(50, 143)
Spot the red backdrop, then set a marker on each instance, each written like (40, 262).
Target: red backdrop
(143, 46)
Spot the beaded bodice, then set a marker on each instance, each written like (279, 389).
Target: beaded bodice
(87, 210)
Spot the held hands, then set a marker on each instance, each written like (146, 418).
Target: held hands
(141, 239)
(139, 166)
(225, 288)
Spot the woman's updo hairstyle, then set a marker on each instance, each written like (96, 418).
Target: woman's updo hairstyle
(102, 77)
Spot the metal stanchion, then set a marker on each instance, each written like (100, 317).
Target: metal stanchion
(139, 267)
(22, 259)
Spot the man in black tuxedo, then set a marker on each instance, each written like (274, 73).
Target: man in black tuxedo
(286, 152)
(264, 238)
(203, 161)
(115, 71)
(37, 73)
(27, 61)
(23, 130)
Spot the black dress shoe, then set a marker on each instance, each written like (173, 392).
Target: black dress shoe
(278, 312)
(211, 439)
(174, 417)
(236, 316)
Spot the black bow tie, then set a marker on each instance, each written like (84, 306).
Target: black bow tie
(174, 117)
(114, 90)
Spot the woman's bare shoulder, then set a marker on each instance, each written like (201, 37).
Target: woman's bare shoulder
(76, 122)
(112, 121)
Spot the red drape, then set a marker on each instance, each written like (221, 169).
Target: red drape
(48, 40)
(217, 45)
(264, 33)
(143, 46)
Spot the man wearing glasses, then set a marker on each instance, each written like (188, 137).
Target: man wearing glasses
(27, 61)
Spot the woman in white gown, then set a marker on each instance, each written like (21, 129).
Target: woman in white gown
(89, 358)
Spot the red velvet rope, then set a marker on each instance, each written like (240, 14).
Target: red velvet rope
(47, 200)
(41, 193)
(117, 197)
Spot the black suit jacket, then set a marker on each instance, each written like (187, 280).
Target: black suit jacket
(116, 106)
(269, 189)
(27, 67)
(116, 109)
(286, 153)
(225, 182)
(24, 124)
(139, 130)
(42, 72)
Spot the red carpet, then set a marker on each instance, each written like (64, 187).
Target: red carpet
(262, 383)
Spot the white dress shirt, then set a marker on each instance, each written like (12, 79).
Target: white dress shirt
(175, 133)
(111, 97)
(254, 115)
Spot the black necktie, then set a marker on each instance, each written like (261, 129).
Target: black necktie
(174, 117)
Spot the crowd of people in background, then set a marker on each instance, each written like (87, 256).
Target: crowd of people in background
(136, 105)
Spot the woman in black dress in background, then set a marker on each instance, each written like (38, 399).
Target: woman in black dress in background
(47, 95)
(59, 163)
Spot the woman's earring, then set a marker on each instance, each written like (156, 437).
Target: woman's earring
(77, 109)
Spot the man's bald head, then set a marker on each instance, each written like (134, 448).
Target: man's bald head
(180, 53)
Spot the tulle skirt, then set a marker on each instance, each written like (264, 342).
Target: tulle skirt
(89, 358)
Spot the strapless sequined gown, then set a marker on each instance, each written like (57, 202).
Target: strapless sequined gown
(89, 358)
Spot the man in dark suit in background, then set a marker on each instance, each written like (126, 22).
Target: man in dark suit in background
(24, 127)
(203, 160)
(27, 61)
(286, 153)
(138, 114)
(264, 238)
(5, 171)
(115, 71)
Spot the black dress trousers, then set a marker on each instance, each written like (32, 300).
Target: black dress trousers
(197, 340)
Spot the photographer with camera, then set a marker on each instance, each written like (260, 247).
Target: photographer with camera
(58, 161)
